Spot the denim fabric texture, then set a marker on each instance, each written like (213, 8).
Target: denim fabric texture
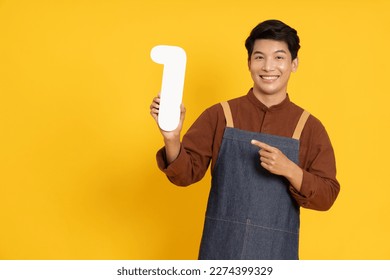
(250, 212)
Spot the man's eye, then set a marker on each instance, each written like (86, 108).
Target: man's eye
(279, 57)
(258, 57)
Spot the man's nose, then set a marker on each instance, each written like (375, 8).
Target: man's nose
(268, 65)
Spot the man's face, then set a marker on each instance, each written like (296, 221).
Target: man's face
(270, 65)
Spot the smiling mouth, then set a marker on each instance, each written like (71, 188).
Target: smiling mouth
(269, 77)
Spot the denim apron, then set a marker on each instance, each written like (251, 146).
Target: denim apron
(250, 212)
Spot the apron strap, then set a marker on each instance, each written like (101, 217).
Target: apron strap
(228, 114)
(298, 129)
(300, 125)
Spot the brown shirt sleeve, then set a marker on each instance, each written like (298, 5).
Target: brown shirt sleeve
(320, 187)
(196, 151)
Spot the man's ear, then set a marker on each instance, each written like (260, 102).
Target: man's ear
(295, 63)
(249, 64)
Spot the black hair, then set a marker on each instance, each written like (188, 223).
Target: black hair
(274, 30)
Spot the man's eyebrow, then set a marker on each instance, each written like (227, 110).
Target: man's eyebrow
(257, 52)
(278, 51)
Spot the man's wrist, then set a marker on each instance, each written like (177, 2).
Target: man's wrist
(295, 176)
(172, 148)
(172, 140)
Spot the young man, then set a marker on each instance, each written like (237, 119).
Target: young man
(268, 157)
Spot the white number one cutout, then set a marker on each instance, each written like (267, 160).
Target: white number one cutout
(174, 60)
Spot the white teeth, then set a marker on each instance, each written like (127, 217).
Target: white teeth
(269, 77)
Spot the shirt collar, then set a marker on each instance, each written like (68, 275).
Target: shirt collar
(286, 102)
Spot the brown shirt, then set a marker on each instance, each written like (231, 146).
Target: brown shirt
(201, 143)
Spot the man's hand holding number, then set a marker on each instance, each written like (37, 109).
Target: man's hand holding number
(171, 138)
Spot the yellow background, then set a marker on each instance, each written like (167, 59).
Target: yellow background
(78, 177)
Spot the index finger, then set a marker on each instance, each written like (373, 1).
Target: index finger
(261, 145)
